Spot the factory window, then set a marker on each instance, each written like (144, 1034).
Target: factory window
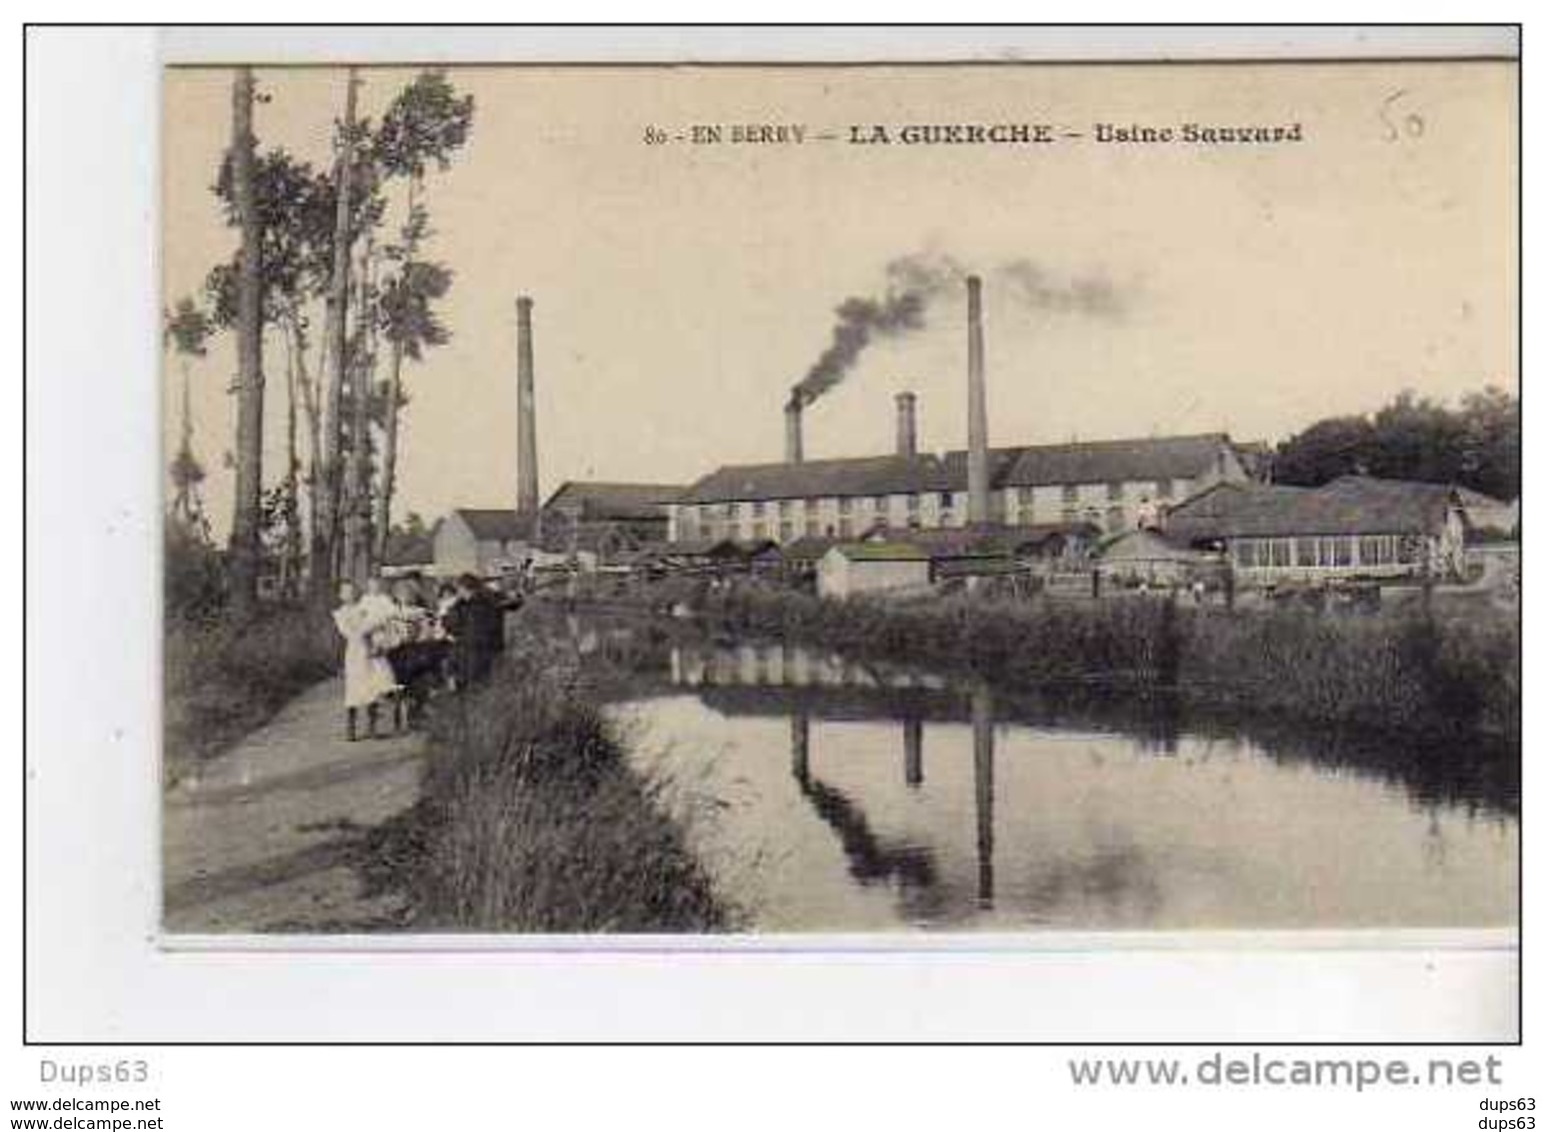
(759, 531)
(1244, 553)
(1376, 550)
(946, 500)
(914, 503)
(881, 503)
(845, 527)
(1276, 552)
(811, 504)
(1340, 551)
(734, 510)
(1069, 493)
(1113, 492)
(785, 531)
(1409, 550)
(1308, 551)
(1026, 504)
(1165, 489)
(758, 508)
(845, 505)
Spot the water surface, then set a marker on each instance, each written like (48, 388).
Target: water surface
(824, 795)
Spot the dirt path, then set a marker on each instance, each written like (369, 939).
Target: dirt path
(260, 839)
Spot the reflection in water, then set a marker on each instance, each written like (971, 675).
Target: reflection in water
(869, 859)
(912, 759)
(1041, 811)
(982, 751)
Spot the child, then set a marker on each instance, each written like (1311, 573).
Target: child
(366, 676)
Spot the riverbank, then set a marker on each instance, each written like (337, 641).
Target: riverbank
(531, 819)
(1396, 674)
(224, 679)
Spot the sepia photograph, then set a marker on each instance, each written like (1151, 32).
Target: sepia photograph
(883, 500)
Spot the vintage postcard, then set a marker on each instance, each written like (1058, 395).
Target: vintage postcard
(748, 500)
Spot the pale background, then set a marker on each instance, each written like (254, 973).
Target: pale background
(95, 972)
(681, 290)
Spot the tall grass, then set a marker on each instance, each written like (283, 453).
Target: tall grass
(532, 820)
(223, 679)
(1399, 673)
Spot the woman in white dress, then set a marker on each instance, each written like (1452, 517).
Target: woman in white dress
(367, 677)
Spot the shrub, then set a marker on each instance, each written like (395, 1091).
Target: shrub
(1394, 672)
(532, 819)
(224, 679)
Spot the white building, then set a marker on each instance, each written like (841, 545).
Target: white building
(872, 567)
(1115, 485)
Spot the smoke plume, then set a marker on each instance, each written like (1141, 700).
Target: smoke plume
(912, 283)
(1031, 285)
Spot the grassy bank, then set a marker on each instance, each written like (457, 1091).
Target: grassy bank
(1397, 674)
(532, 820)
(223, 679)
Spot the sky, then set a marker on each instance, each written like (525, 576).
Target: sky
(680, 290)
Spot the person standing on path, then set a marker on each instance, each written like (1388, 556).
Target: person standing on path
(367, 677)
(476, 623)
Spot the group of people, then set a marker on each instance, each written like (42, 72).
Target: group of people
(401, 644)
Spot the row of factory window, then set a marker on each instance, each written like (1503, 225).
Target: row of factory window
(849, 526)
(846, 504)
(1327, 551)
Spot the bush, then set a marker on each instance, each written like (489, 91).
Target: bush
(223, 679)
(1396, 672)
(532, 820)
(194, 579)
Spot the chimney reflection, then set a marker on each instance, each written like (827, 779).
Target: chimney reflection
(982, 750)
(799, 746)
(912, 738)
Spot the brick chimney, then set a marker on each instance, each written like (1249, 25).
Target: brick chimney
(977, 487)
(906, 424)
(527, 499)
(793, 431)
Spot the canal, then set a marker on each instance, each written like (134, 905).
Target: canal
(827, 795)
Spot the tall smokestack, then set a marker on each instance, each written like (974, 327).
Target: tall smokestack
(976, 394)
(906, 424)
(793, 432)
(526, 498)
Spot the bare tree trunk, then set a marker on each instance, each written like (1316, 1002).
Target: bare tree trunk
(394, 390)
(297, 339)
(245, 551)
(325, 531)
(389, 450)
(182, 497)
(290, 562)
(356, 531)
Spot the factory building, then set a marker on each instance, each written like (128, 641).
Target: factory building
(1112, 485)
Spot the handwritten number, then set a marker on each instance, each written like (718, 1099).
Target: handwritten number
(1397, 126)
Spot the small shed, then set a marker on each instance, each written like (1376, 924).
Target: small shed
(872, 567)
(407, 554)
(1146, 556)
(482, 541)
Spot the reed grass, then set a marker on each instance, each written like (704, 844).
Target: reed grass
(223, 679)
(532, 820)
(1396, 672)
